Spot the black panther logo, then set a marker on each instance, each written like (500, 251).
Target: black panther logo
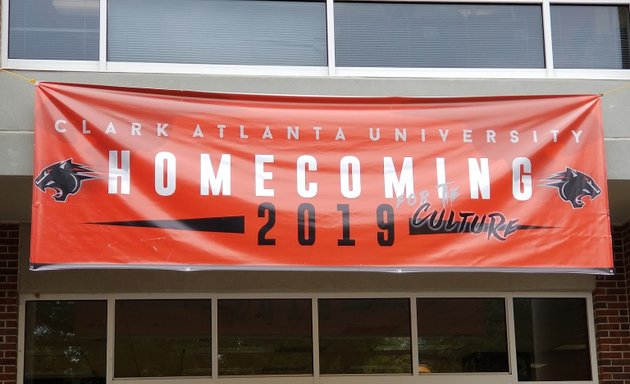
(573, 186)
(64, 177)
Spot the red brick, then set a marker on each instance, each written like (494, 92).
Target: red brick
(9, 242)
(10, 368)
(610, 340)
(611, 307)
(604, 327)
(611, 355)
(622, 347)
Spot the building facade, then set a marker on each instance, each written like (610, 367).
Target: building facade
(155, 326)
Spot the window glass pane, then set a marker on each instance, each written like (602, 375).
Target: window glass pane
(462, 335)
(65, 342)
(163, 338)
(438, 35)
(241, 32)
(364, 336)
(54, 29)
(265, 337)
(552, 340)
(587, 36)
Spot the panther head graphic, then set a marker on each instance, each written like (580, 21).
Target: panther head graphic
(64, 177)
(573, 186)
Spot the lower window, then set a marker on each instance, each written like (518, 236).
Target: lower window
(462, 335)
(65, 342)
(162, 338)
(552, 341)
(265, 337)
(364, 336)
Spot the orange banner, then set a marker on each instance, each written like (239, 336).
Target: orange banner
(185, 180)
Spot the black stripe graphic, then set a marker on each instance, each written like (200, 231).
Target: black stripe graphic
(425, 230)
(228, 224)
(533, 227)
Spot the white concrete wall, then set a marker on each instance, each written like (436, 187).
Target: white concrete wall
(16, 114)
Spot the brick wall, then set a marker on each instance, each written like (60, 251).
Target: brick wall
(612, 320)
(9, 238)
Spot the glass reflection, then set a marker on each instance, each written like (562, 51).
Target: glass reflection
(265, 337)
(462, 335)
(360, 336)
(552, 341)
(65, 342)
(161, 338)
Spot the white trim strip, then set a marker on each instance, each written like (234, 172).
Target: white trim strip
(111, 338)
(305, 295)
(511, 337)
(455, 73)
(547, 38)
(20, 344)
(214, 338)
(415, 360)
(456, 1)
(102, 37)
(611, 74)
(590, 318)
(392, 269)
(442, 72)
(216, 69)
(330, 31)
(53, 65)
(315, 336)
(4, 34)
(590, 2)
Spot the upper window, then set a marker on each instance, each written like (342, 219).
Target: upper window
(438, 35)
(292, 37)
(587, 36)
(236, 32)
(54, 29)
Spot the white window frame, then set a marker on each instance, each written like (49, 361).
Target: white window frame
(4, 35)
(331, 70)
(415, 378)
